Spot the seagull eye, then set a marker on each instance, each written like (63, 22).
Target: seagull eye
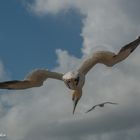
(68, 83)
(77, 80)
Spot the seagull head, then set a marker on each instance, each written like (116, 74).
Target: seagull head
(74, 80)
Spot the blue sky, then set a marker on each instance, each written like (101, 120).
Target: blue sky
(28, 41)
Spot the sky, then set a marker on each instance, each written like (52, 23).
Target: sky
(34, 38)
(59, 35)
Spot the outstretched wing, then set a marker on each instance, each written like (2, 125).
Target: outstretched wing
(109, 58)
(110, 103)
(34, 79)
(92, 108)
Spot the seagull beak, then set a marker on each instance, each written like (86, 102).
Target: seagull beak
(88, 111)
(75, 104)
(76, 97)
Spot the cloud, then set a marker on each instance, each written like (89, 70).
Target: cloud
(46, 112)
(107, 23)
(42, 7)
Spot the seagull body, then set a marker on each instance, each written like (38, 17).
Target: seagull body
(101, 105)
(73, 80)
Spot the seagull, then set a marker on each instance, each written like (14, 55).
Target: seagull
(74, 80)
(101, 105)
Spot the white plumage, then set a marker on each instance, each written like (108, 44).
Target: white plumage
(74, 80)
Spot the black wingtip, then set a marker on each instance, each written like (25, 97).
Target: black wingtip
(87, 111)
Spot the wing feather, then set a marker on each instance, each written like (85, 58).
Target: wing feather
(34, 79)
(108, 58)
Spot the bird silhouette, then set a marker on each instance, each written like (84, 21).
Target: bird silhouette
(74, 80)
(101, 105)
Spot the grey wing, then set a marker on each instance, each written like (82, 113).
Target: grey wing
(110, 103)
(91, 108)
(108, 58)
(34, 79)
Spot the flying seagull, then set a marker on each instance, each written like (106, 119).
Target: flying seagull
(74, 80)
(101, 105)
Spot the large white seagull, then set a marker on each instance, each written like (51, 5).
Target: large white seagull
(74, 80)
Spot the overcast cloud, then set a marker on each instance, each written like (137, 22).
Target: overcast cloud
(46, 112)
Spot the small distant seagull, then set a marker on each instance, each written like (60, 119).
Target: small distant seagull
(101, 105)
(74, 80)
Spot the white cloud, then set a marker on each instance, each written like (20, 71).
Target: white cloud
(48, 6)
(46, 112)
(107, 23)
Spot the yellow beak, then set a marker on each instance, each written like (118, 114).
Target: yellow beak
(75, 104)
(76, 97)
